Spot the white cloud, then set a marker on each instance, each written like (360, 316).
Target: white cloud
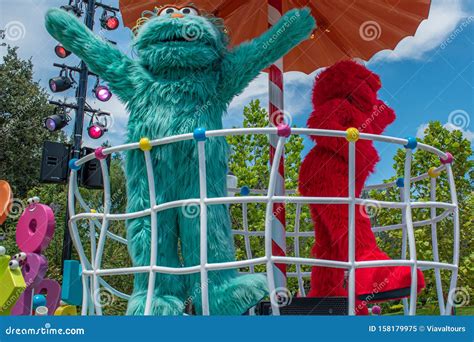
(467, 133)
(445, 16)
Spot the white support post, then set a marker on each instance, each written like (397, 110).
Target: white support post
(454, 275)
(296, 244)
(434, 242)
(410, 233)
(351, 229)
(153, 232)
(404, 244)
(103, 234)
(268, 226)
(245, 222)
(203, 225)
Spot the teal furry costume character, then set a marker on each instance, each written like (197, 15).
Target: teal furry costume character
(175, 86)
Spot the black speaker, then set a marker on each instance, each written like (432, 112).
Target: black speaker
(54, 162)
(328, 306)
(90, 174)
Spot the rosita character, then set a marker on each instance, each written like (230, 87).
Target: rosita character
(345, 96)
(179, 83)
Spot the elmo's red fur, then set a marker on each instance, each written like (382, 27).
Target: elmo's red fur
(345, 95)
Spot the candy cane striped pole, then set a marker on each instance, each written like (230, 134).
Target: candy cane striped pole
(275, 12)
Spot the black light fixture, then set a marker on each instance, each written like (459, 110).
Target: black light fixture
(61, 51)
(58, 120)
(98, 125)
(108, 21)
(101, 92)
(62, 82)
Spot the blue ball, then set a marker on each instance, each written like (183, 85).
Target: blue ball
(245, 191)
(72, 164)
(400, 182)
(412, 143)
(39, 300)
(200, 134)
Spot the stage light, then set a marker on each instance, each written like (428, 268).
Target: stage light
(57, 121)
(60, 83)
(109, 22)
(61, 51)
(96, 130)
(102, 93)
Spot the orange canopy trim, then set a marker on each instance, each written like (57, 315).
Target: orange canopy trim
(346, 28)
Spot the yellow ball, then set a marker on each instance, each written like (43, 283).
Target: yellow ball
(93, 211)
(352, 134)
(145, 144)
(433, 173)
(66, 310)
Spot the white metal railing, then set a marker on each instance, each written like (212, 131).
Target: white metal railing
(93, 273)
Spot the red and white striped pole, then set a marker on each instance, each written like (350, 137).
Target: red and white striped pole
(275, 12)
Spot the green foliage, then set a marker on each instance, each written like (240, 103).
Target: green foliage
(23, 107)
(435, 135)
(249, 161)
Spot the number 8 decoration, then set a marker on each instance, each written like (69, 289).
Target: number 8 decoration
(34, 232)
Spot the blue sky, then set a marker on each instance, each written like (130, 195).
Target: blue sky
(427, 77)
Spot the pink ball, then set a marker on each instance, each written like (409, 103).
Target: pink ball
(284, 130)
(99, 153)
(376, 310)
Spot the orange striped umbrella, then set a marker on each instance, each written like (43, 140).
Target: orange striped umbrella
(346, 28)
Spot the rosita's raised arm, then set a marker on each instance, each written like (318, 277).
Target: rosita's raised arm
(245, 61)
(100, 56)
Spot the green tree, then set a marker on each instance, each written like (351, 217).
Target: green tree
(438, 136)
(249, 162)
(23, 107)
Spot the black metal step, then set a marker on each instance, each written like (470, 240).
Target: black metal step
(328, 306)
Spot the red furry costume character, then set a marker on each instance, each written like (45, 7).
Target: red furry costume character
(345, 95)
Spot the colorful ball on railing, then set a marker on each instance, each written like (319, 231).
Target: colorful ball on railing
(400, 182)
(73, 166)
(412, 143)
(376, 310)
(433, 173)
(448, 160)
(145, 144)
(245, 191)
(200, 134)
(99, 153)
(353, 134)
(39, 300)
(284, 130)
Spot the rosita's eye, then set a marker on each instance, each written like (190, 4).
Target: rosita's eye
(167, 11)
(13, 264)
(189, 11)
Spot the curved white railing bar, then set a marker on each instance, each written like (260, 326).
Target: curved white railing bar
(92, 272)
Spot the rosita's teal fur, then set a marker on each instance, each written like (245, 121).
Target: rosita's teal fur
(175, 86)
